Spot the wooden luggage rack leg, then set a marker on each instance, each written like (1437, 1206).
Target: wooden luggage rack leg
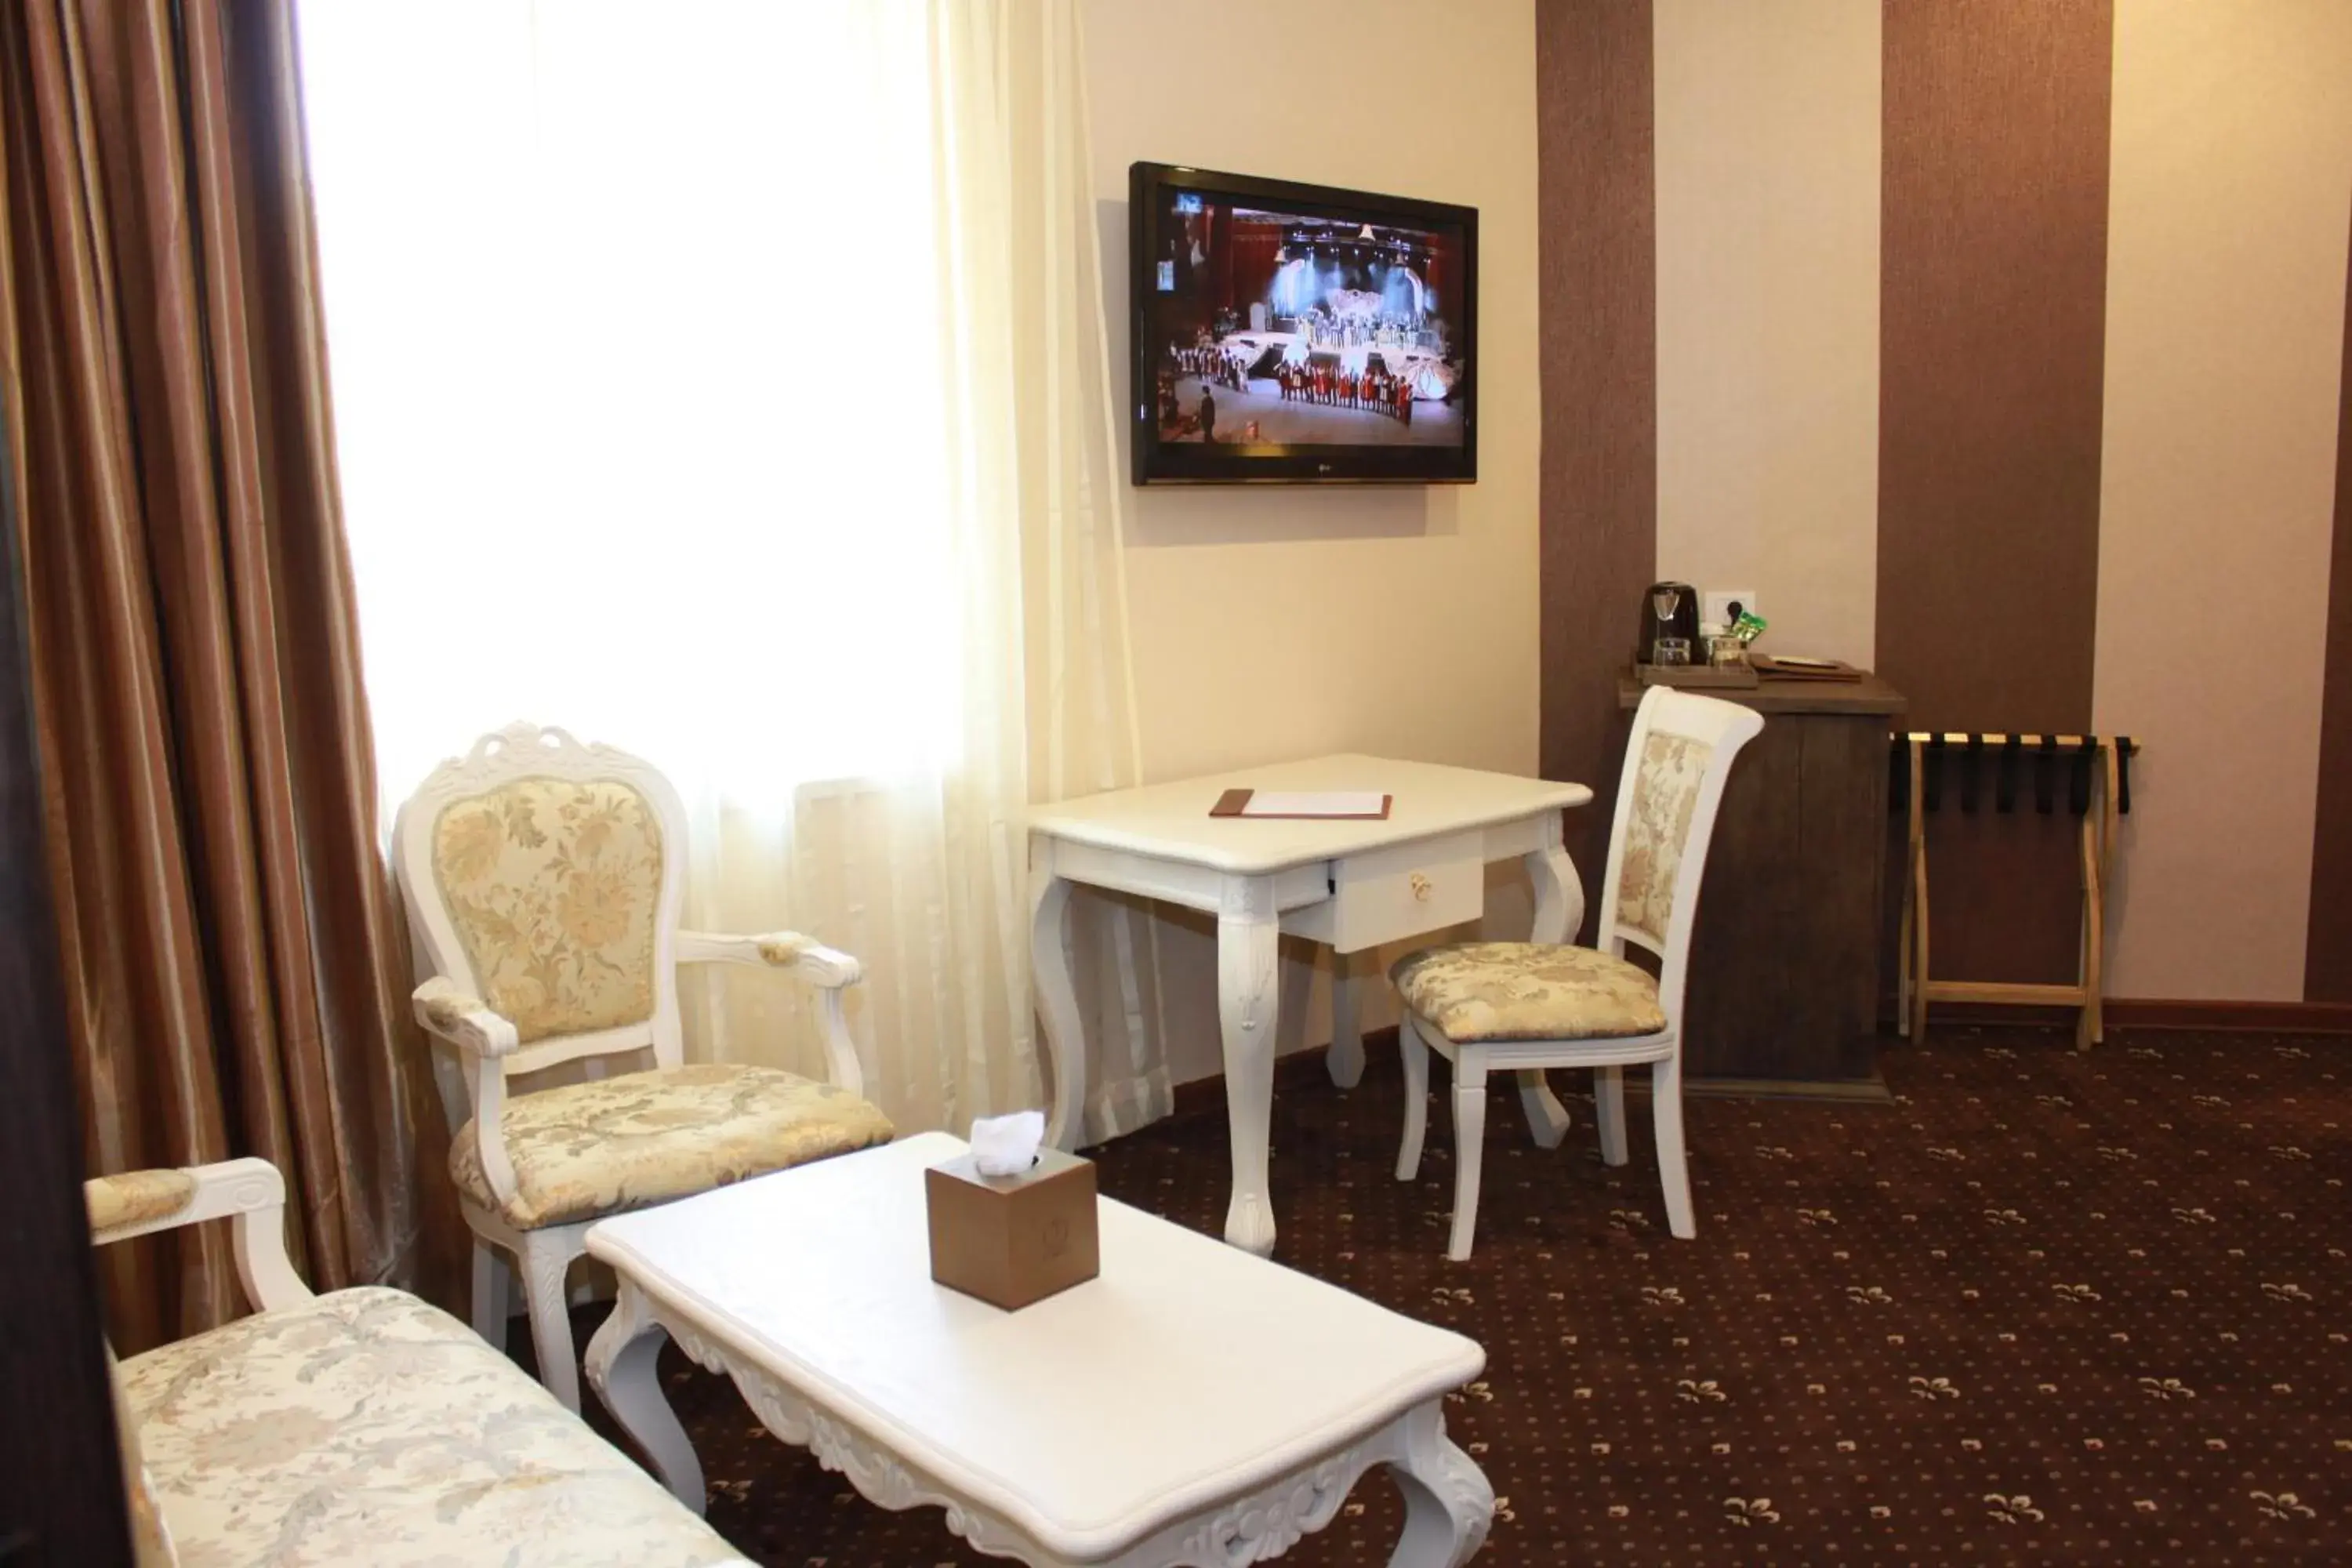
(1915, 983)
(1911, 963)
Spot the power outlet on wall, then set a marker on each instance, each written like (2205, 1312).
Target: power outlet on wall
(1716, 605)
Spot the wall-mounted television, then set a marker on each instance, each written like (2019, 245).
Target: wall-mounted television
(1299, 333)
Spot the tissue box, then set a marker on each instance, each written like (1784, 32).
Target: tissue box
(1011, 1240)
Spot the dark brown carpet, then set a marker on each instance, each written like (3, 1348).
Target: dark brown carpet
(2045, 1308)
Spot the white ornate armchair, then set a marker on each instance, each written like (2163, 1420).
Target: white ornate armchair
(543, 880)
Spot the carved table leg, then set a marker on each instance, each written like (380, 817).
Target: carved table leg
(1059, 1033)
(1449, 1505)
(1346, 1060)
(621, 1368)
(1560, 910)
(1248, 1002)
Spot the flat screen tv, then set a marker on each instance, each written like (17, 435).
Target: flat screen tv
(1299, 334)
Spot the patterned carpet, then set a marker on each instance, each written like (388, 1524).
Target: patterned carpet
(2043, 1308)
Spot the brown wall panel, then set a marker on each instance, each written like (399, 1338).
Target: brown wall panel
(1597, 293)
(2327, 951)
(1992, 323)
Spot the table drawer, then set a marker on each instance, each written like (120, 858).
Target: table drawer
(1406, 890)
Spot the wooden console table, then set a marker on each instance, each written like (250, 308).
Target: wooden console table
(1784, 964)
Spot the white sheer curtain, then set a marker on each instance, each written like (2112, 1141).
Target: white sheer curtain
(727, 382)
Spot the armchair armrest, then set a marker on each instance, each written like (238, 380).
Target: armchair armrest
(488, 1038)
(466, 1022)
(831, 971)
(804, 956)
(249, 1193)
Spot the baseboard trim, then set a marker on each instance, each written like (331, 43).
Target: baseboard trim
(1303, 1070)
(1306, 1069)
(1297, 1070)
(2155, 1013)
(2278, 1017)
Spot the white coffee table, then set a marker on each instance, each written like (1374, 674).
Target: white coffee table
(1193, 1404)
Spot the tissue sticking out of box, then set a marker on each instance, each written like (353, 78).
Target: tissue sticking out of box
(1007, 1145)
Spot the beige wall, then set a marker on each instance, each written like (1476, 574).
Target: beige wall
(1768, 169)
(1283, 622)
(2229, 210)
(1278, 623)
(2229, 203)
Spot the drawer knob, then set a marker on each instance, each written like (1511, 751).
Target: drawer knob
(1420, 887)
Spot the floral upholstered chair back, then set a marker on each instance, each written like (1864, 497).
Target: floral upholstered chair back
(544, 877)
(1676, 761)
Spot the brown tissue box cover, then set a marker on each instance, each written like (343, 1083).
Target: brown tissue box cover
(1011, 1240)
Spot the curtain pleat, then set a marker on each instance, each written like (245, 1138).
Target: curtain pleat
(232, 957)
(1046, 674)
(813, 460)
(1085, 734)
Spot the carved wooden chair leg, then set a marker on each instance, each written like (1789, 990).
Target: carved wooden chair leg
(1469, 1144)
(1673, 1166)
(1609, 1112)
(546, 1262)
(1414, 1052)
(490, 1276)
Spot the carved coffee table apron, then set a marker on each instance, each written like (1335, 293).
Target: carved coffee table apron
(1194, 1404)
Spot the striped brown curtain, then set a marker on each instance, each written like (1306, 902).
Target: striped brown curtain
(234, 967)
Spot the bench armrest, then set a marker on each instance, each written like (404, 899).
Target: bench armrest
(249, 1193)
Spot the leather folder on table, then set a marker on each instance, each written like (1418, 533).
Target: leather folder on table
(1302, 805)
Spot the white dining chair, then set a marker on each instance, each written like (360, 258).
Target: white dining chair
(1511, 1005)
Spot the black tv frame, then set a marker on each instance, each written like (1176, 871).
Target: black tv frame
(1155, 463)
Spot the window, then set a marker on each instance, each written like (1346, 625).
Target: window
(636, 328)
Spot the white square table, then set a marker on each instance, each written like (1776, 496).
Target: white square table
(1350, 885)
(1193, 1404)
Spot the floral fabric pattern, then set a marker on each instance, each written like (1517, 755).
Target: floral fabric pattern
(151, 1539)
(366, 1427)
(1528, 991)
(135, 1197)
(1657, 827)
(552, 885)
(607, 1146)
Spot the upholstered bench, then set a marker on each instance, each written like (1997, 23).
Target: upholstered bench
(359, 1426)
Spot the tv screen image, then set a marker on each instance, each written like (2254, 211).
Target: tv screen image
(1299, 332)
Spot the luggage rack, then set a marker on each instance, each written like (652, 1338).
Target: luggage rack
(2098, 790)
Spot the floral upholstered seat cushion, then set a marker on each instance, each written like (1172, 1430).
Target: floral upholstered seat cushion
(602, 1147)
(366, 1427)
(151, 1538)
(1528, 991)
